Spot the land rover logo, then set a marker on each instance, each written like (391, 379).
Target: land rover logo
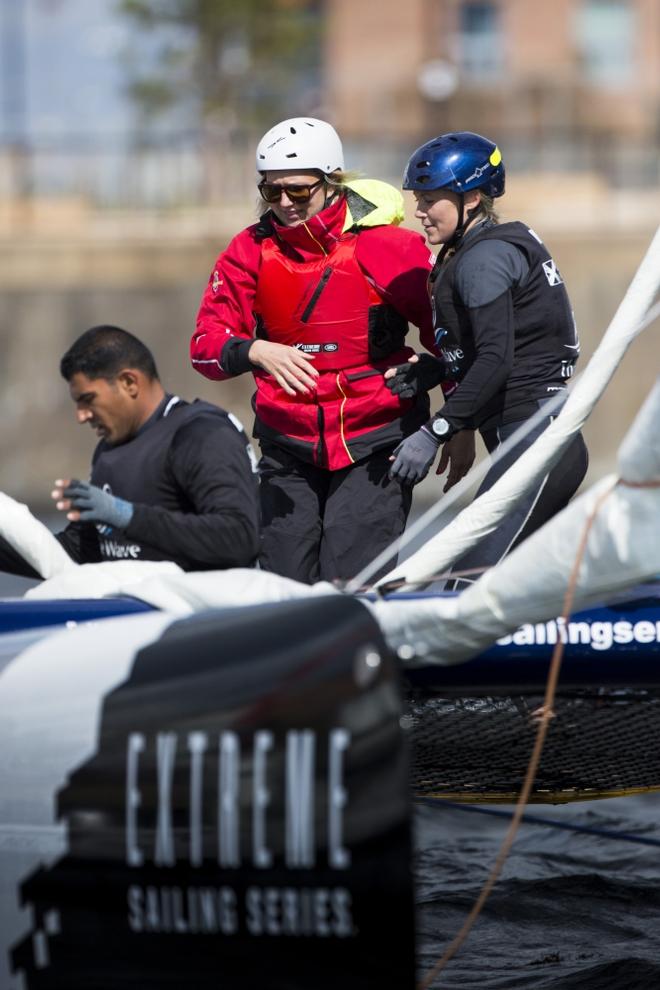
(317, 348)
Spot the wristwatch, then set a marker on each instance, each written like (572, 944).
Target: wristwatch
(441, 428)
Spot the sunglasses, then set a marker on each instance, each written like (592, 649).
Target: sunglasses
(272, 192)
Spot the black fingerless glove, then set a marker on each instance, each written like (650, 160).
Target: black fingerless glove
(413, 378)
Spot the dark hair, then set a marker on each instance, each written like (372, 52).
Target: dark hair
(103, 351)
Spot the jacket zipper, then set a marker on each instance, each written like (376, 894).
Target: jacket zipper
(320, 419)
(320, 286)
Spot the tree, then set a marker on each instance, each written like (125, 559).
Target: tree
(228, 62)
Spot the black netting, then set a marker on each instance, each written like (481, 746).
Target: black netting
(599, 743)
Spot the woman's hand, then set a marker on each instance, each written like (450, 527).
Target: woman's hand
(458, 454)
(290, 367)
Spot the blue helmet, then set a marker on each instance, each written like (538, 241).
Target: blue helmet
(459, 162)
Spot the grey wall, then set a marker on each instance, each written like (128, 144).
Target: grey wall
(52, 291)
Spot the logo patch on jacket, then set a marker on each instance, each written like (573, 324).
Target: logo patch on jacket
(551, 273)
(317, 348)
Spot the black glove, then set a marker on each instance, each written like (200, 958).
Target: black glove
(414, 377)
(413, 457)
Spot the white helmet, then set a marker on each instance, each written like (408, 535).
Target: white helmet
(301, 142)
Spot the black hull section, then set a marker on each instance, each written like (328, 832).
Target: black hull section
(245, 819)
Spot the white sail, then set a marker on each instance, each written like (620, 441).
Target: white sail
(31, 539)
(482, 517)
(164, 585)
(623, 549)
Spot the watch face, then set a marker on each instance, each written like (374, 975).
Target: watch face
(440, 427)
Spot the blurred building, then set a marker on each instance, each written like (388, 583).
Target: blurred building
(568, 87)
(574, 84)
(99, 224)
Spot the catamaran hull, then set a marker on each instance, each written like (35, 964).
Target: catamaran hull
(215, 801)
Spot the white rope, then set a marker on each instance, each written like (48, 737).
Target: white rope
(480, 518)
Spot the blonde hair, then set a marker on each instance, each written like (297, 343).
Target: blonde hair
(487, 207)
(342, 177)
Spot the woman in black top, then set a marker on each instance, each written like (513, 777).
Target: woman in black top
(504, 330)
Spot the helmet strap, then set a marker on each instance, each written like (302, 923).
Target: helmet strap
(464, 220)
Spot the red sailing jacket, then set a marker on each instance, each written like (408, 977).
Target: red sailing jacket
(340, 288)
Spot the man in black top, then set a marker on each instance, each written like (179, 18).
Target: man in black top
(170, 480)
(503, 327)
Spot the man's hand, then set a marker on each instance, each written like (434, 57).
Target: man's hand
(458, 453)
(87, 503)
(422, 373)
(413, 457)
(289, 367)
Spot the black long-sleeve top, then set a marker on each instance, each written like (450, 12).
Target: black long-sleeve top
(190, 476)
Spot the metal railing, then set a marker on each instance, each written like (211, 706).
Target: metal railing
(193, 172)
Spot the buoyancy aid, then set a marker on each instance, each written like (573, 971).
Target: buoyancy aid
(546, 344)
(138, 469)
(327, 307)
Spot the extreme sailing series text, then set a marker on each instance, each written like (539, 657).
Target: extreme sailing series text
(239, 831)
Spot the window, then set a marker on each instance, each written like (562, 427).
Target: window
(480, 41)
(605, 36)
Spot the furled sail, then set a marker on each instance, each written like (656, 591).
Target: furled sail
(31, 539)
(622, 550)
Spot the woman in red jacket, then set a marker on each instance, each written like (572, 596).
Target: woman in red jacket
(314, 299)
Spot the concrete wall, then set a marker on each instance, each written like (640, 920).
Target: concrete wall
(54, 288)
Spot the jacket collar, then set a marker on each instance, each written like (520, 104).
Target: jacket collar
(365, 203)
(316, 236)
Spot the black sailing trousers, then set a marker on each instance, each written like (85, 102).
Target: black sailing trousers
(321, 525)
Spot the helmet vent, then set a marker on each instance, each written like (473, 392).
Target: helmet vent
(292, 154)
(293, 130)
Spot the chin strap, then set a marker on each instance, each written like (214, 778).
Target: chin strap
(454, 242)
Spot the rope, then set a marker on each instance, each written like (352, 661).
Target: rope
(541, 820)
(382, 590)
(544, 714)
(653, 483)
